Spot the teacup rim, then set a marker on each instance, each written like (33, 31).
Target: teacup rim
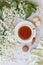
(18, 26)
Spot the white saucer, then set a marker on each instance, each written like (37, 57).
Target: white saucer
(25, 23)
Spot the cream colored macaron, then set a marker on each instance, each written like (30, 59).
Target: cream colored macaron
(37, 21)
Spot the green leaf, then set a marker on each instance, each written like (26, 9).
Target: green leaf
(1, 5)
(18, 1)
(14, 4)
(6, 4)
(29, 8)
(2, 0)
(0, 8)
(1, 13)
(28, 12)
(34, 5)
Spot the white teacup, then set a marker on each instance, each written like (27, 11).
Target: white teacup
(30, 25)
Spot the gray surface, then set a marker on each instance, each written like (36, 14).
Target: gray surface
(40, 34)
